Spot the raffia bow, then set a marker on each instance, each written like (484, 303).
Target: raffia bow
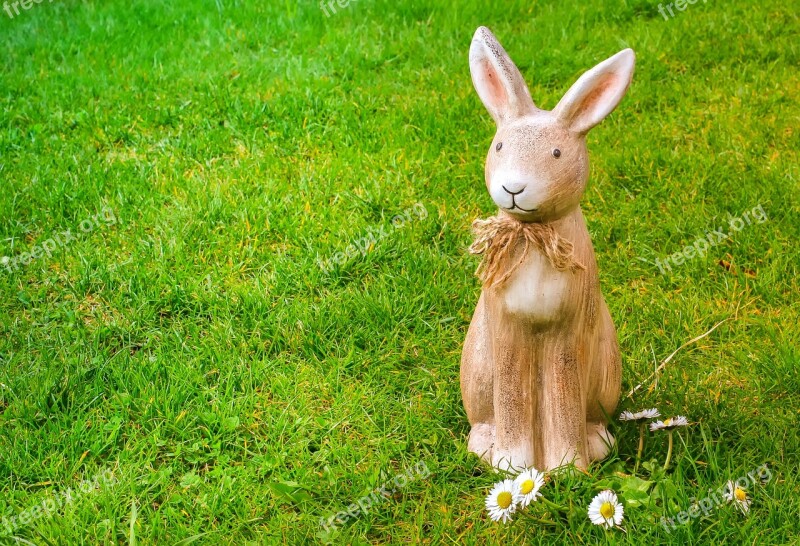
(497, 238)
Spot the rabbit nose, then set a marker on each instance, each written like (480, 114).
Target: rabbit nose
(516, 189)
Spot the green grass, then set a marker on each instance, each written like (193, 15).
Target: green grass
(239, 393)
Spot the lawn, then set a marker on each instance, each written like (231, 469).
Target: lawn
(237, 284)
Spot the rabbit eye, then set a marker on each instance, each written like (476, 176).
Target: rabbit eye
(556, 153)
(499, 146)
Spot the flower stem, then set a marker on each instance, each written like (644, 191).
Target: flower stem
(669, 451)
(553, 505)
(641, 446)
(538, 520)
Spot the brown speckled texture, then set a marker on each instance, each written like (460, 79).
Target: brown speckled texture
(541, 362)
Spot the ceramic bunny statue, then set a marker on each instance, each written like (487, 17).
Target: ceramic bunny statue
(540, 368)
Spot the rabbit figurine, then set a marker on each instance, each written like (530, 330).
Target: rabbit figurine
(540, 369)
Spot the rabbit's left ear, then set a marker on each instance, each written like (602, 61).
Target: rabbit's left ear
(497, 79)
(596, 93)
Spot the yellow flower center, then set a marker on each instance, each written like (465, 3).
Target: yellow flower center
(740, 494)
(526, 487)
(607, 510)
(504, 500)
(668, 422)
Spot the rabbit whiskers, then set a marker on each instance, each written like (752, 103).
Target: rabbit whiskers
(498, 237)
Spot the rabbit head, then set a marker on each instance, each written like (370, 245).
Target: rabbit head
(538, 165)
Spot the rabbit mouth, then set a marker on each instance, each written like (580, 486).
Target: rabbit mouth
(514, 205)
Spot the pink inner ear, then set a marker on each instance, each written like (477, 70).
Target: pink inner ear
(498, 96)
(590, 101)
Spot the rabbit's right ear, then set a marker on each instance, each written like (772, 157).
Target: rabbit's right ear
(496, 78)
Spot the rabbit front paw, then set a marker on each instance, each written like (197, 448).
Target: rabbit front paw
(512, 459)
(481, 441)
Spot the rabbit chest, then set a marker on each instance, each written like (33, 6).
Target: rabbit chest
(538, 293)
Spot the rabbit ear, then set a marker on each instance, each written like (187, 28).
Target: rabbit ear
(497, 80)
(596, 93)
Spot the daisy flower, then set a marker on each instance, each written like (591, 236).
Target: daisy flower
(528, 484)
(735, 494)
(606, 510)
(670, 423)
(639, 415)
(500, 502)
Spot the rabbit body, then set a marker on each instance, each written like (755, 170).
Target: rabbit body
(541, 364)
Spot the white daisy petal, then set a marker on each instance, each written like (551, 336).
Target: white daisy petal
(744, 506)
(735, 494)
(606, 510)
(651, 413)
(727, 492)
(639, 415)
(528, 484)
(500, 502)
(680, 421)
(669, 424)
